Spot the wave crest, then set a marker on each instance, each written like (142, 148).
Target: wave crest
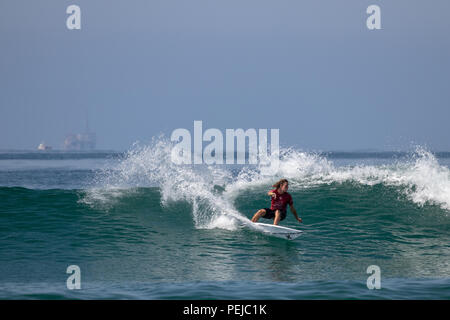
(212, 189)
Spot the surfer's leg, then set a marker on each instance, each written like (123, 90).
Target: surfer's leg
(277, 217)
(258, 215)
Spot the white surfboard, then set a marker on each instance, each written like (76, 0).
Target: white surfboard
(277, 231)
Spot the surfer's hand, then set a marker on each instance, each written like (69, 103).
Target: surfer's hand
(299, 220)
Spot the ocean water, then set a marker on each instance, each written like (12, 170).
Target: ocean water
(140, 227)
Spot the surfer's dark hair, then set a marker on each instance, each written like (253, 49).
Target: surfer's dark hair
(279, 183)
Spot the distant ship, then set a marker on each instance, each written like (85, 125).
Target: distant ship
(43, 147)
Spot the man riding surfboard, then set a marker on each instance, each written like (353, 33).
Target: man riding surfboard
(280, 199)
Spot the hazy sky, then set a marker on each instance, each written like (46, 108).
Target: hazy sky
(310, 68)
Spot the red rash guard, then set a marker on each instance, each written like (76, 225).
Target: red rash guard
(281, 201)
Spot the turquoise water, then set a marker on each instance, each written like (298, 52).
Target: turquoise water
(141, 227)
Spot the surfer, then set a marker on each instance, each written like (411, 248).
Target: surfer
(280, 199)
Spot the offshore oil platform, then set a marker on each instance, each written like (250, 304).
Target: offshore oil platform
(81, 141)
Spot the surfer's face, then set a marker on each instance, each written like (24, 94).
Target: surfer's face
(284, 187)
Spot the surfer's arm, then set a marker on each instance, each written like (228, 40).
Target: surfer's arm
(294, 212)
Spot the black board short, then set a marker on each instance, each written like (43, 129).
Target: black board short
(270, 214)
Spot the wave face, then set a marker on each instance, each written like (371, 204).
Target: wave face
(139, 218)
